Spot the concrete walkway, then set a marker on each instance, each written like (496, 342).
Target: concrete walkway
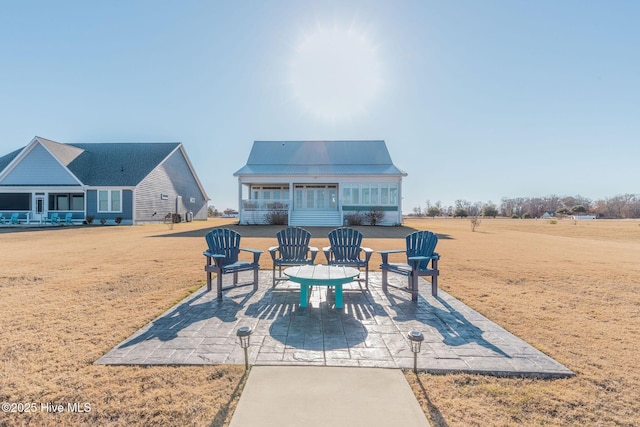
(370, 331)
(293, 396)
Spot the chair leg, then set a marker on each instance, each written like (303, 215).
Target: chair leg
(208, 281)
(274, 275)
(434, 285)
(384, 280)
(366, 277)
(235, 277)
(219, 286)
(255, 280)
(414, 287)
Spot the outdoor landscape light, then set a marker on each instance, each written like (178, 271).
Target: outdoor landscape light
(244, 333)
(416, 339)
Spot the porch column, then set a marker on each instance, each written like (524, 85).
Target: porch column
(240, 210)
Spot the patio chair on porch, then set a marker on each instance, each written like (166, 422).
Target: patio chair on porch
(15, 218)
(68, 218)
(345, 248)
(293, 249)
(222, 258)
(3, 219)
(53, 218)
(420, 252)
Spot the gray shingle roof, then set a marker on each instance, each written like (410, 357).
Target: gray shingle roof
(319, 158)
(106, 164)
(118, 164)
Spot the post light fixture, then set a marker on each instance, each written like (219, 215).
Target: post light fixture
(416, 338)
(244, 333)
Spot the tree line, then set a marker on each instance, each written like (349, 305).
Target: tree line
(621, 206)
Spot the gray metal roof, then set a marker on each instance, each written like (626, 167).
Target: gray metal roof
(319, 158)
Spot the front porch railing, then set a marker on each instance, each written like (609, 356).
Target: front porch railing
(265, 204)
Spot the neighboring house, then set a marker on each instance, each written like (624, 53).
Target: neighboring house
(137, 182)
(319, 182)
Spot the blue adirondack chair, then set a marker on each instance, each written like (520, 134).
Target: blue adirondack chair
(68, 218)
(345, 248)
(3, 219)
(293, 249)
(53, 218)
(222, 258)
(420, 253)
(14, 218)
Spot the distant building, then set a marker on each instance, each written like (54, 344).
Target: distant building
(319, 182)
(137, 182)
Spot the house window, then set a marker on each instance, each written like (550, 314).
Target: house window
(109, 200)
(346, 195)
(370, 194)
(66, 201)
(15, 201)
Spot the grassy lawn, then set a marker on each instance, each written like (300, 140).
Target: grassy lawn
(70, 295)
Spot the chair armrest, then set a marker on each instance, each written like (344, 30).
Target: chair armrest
(217, 258)
(256, 254)
(385, 254)
(314, 253)
(367, 253)
(327, 253)
(415, 260)
(251, 250)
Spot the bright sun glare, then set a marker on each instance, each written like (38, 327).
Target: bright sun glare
(335, 73)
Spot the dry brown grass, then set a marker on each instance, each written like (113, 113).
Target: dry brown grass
(70, 295)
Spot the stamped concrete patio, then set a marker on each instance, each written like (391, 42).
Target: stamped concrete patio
(370, 331)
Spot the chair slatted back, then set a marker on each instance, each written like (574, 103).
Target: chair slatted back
(223, 241)
(294, 243)
(421, 243)
(345, 243)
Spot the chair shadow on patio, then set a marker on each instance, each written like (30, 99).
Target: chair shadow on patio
(187, 315)
(455, 329)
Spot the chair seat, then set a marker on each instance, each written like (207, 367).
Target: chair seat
(239, 266)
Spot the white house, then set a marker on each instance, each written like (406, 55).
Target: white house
(319, 182)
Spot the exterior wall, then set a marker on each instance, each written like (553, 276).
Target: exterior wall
(39, 168)
(91, 200)
(169, 184)
(392, 213)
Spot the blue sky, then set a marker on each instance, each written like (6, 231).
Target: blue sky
(476, 100)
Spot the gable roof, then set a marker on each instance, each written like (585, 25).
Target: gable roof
(105, 164)
(319, 158)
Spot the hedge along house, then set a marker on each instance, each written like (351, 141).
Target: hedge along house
(319, 182)
(136, 182)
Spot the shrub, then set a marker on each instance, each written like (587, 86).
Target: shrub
(118, 220)
(374, 216)
(277, 217)
(89, 219)
(526, 216)
(355, 218)
(514, 216)
(475, 222)
(103, 221)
